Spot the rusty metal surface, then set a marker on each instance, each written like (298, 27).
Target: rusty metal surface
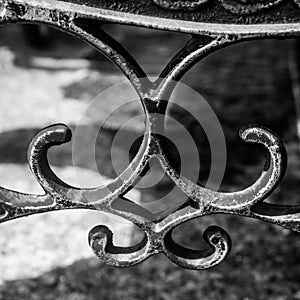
(81, 18)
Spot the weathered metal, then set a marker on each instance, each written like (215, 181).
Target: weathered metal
(213, 25)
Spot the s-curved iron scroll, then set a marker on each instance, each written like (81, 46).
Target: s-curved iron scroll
(85, 22)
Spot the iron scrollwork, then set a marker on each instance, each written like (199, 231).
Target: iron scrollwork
(235, 7)
(207, 37)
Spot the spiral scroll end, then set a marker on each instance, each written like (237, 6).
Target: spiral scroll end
(100, 238)
(101, 242)
(218, 238)
(220, 246)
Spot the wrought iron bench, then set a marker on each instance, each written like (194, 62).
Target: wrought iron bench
(212, 24)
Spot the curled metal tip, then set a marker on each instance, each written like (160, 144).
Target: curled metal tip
(101, 242)
(218, 240)
(272, 174)
(53, 135)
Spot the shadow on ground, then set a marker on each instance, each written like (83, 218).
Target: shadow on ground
(257, 268)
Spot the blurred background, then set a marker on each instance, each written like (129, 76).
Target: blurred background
(48, 77)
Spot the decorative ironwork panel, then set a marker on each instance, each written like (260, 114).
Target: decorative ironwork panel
(213, 24)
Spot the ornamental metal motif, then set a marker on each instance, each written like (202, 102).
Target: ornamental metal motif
(212, 25)
(235, 7)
